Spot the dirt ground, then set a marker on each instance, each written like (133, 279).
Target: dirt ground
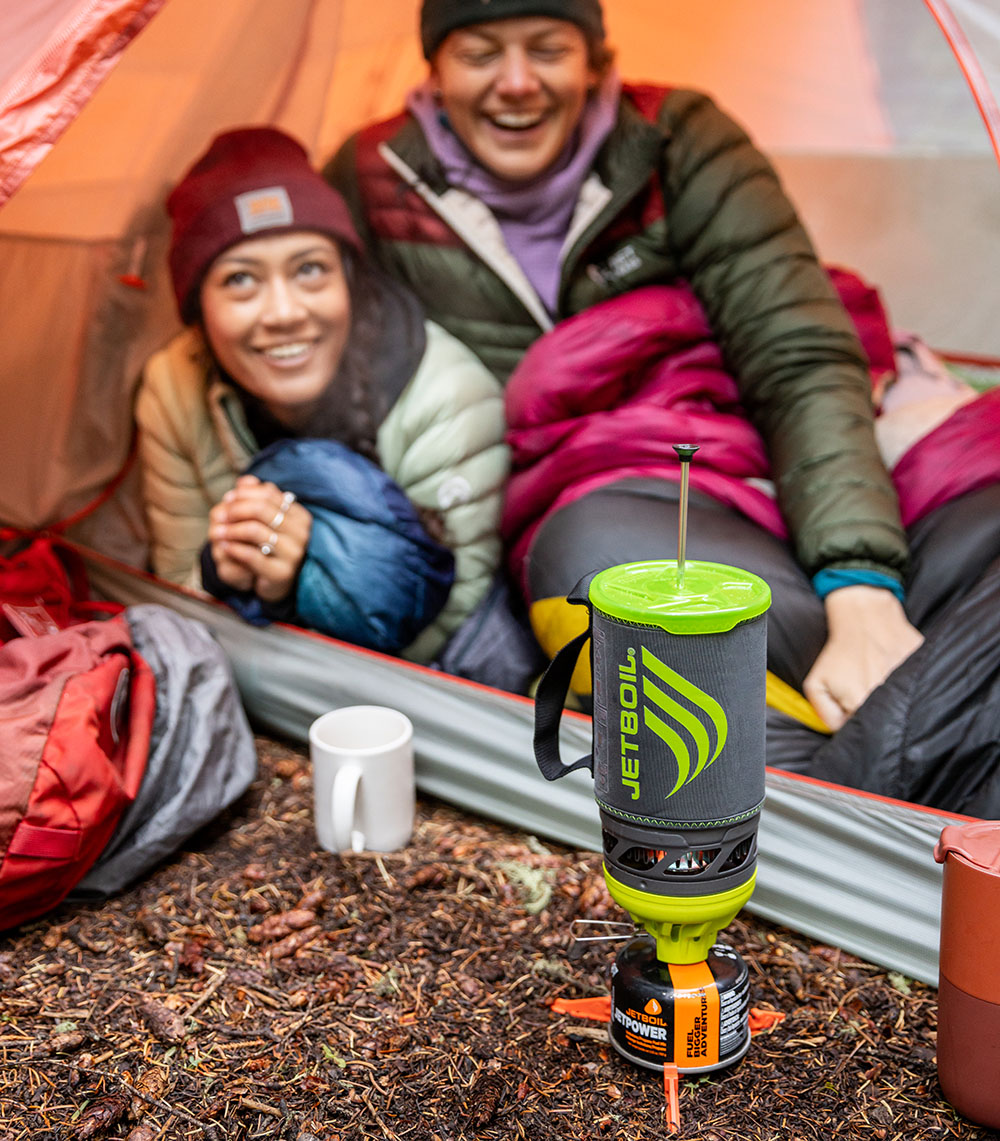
(259, 987)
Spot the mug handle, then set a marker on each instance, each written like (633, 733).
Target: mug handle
(343, 799)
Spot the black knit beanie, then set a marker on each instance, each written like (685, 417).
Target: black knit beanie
(438, 18)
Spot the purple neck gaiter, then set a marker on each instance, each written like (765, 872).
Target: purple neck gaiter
(534, 216)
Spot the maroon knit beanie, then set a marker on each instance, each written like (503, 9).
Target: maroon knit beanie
(249, 183)
(439, 18)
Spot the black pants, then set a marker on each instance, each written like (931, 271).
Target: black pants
(637, 519)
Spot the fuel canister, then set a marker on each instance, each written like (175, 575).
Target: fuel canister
(695, 1015)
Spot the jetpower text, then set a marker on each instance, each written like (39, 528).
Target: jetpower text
(653, 1033)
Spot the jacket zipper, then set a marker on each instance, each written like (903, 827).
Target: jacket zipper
(509, 272)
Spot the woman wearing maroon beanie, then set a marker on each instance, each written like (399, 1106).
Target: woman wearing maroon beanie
(302, 436)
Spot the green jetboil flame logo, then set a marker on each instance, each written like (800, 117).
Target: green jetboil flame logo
(657, 693)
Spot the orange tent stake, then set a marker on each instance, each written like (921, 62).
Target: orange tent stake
(671, 1091)
(599, 1009)
(763, 1019)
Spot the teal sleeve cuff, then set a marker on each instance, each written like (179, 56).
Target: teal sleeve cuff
(828, 581)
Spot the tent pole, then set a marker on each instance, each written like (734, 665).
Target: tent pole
(971, 69)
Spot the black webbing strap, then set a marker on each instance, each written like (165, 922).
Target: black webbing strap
(549, 701)
(550, 697)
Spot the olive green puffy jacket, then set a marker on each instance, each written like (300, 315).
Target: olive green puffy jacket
(678, 191)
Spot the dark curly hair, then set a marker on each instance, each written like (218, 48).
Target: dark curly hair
(354, 385)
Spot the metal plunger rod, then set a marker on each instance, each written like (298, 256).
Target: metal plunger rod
(684, 454)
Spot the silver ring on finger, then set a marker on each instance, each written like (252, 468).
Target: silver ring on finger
(267, 549)
(286, 501)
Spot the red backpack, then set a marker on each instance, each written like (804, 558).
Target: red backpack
(76, 715)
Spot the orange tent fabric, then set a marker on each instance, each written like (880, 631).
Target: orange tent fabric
(54, 57)
(103, 102)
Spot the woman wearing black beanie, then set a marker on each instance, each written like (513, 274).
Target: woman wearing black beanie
(527, 195)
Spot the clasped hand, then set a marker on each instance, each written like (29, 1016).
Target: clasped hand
(258, 537)
(868, 636)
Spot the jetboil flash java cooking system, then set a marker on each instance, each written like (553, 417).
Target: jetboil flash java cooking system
(678, 662)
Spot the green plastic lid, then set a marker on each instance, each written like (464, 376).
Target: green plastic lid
(710, 599)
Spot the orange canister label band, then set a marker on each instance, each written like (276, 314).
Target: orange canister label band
(696, 1014)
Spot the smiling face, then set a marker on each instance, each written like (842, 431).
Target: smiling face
(514, 91)
(276, 312)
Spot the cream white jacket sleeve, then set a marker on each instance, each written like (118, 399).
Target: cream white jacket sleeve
(443, 443)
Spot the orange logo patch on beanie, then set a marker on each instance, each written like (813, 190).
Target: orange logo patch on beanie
(264, 209)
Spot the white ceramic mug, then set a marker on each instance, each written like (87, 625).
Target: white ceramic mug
(362, 757)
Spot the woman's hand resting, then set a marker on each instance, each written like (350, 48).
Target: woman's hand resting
(258, 538)
(868, 636)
